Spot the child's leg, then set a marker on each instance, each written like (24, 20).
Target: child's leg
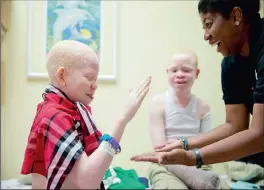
(161, 178)
(196, 178)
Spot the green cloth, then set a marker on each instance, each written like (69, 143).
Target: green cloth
(129, 179)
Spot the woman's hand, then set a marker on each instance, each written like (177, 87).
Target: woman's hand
(169, 146)
(176, 156)
(136, 96)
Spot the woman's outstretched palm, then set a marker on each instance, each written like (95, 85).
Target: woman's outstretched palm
(176, 156)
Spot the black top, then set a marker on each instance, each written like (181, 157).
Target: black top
(243, 77)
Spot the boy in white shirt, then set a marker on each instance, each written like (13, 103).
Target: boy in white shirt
(177, 114)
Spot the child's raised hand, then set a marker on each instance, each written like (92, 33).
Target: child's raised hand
(136, 96)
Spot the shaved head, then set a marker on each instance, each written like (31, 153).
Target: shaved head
(73, 68)
(183, 70)
(185, 55)
(70, 55)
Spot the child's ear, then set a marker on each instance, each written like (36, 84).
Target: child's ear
(197, 72)
(61, 76)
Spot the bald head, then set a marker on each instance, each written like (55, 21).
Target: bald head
(183, 71)
(69, 54)
(185, 56)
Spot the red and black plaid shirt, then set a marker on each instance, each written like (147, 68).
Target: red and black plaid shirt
(57, 138)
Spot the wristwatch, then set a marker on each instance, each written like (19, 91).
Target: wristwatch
(199, 161)
(111, 141)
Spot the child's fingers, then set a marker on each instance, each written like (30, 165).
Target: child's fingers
(142, 90)
(143, 85)
(143, 95)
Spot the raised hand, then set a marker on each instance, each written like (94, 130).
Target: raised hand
(135, 98)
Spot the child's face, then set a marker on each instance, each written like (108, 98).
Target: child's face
(182, 74)
(81, 83)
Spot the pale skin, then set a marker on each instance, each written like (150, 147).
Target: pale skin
(235, 138)
(183, 67)
(80, 85)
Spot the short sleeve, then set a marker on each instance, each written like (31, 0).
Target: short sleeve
(62, 148)
(259, 90)
(235, 80)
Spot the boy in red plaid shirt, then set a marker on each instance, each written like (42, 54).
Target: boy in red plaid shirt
(64, 149)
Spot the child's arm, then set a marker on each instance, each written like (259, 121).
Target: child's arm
(206, 121)
(156, 121)
(88, 172)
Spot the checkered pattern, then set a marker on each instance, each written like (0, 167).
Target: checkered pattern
(61, 131)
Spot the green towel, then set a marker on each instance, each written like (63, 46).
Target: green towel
(129, 179)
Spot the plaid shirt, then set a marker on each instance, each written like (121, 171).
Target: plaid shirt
(57, 138)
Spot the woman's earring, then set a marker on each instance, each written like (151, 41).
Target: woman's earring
(237, 23)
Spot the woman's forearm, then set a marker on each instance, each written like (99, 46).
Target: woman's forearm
(239, 145)
(212, 136)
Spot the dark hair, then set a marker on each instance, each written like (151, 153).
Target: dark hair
(250, 8)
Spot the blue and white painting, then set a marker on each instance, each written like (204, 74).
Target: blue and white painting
(75, 20)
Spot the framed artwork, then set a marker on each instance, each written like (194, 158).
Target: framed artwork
(92, 22)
